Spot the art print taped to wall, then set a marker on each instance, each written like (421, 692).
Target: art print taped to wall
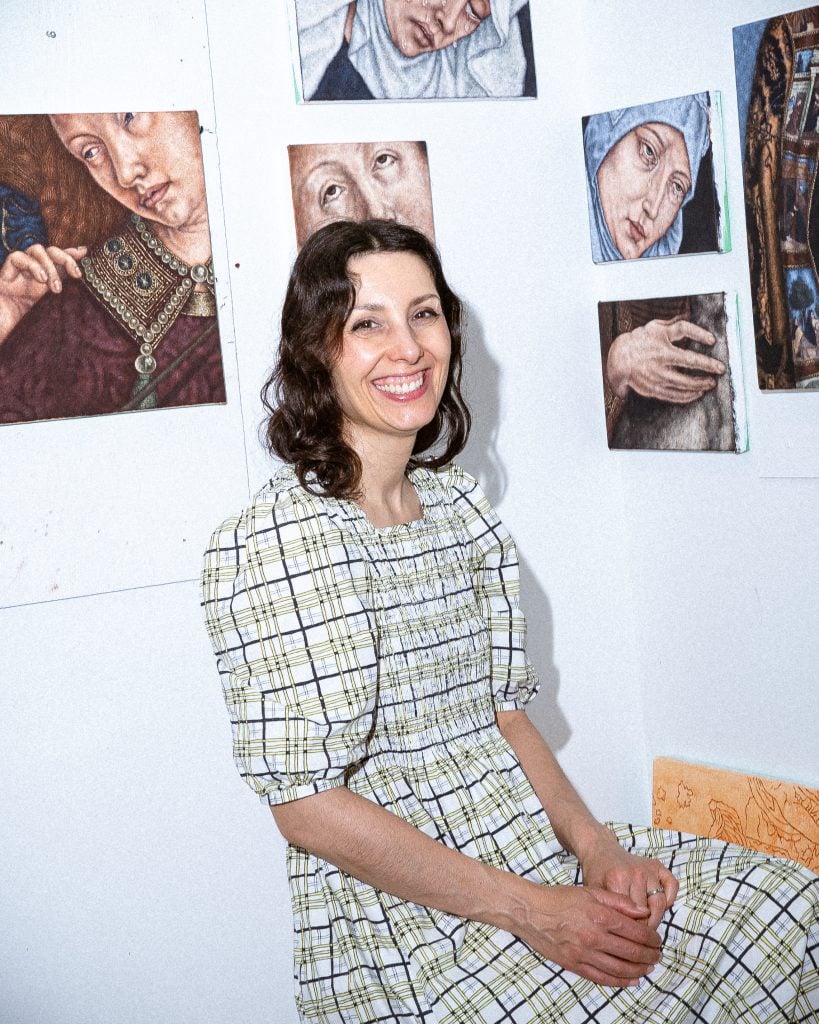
(777, 71)
(360, 181)
(654, 176)
(667, 374)
(412, 49)
(106, 284)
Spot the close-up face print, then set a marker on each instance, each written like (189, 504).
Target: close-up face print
(360, 181)
(420, 26)
(642, 182)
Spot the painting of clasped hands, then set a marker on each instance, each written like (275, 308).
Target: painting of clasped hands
(413, 49)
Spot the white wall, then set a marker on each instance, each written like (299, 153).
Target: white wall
(669, 595)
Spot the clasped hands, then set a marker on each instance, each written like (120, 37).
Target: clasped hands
(605, 929)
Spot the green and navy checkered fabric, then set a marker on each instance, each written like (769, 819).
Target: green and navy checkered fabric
(377, 658)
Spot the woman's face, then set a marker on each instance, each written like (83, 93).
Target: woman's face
(360, 181)
(149, 162)
(394, 361)
(420, 26)
(642, 183)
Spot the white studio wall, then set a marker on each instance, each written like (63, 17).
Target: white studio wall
(668, 595)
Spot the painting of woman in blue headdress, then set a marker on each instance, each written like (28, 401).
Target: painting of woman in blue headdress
(650, 179)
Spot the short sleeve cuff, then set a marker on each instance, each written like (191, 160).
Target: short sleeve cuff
(285, 794)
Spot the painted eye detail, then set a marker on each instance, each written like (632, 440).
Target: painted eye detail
(383, 160)
(330, 194)
(648, 154)
(678, 190)
(90, 152)
(127, 119)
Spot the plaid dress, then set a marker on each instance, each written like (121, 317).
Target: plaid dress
(377, 658)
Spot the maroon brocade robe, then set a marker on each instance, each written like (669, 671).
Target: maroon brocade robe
(70, 357)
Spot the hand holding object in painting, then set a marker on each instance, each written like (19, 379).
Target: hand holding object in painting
(650, 361)
(26, 276)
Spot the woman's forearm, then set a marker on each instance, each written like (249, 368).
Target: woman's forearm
(591, 932)
(376, 846)
(575, 826)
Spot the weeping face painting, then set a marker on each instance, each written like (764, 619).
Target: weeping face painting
(644, 165)
(360, 181)
(413, 49)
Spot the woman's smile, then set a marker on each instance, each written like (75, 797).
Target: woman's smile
(403, 388)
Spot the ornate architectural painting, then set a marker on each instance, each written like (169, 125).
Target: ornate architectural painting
(777, 70)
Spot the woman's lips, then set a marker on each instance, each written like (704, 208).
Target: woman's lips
(154, 195)
(635, 232)
(403, 388)
(423, 36)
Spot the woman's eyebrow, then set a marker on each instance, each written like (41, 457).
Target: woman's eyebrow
(658, 139)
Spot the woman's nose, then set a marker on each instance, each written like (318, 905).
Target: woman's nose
(653, 196)
(447, 16)
(404, 345)
(378, 201)
(128, 165)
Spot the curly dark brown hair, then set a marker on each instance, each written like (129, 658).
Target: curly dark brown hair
(305, 421)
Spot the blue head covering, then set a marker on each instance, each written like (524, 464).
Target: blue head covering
(689, 115)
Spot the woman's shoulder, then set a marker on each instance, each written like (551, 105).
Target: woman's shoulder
(281, 511)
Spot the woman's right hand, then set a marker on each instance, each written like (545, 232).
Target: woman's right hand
(648, 360)
(597, 934)
(26, 276)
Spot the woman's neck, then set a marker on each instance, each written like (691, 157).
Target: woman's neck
(387, 495)
(191, 243)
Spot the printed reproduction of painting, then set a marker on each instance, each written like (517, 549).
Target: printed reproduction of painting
(777, 817)
(360, 181)
(412, 49)
(667, 374)
(106, 279)
(777, 71)
(654, 176)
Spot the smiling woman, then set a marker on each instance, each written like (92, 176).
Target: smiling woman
(364, 612)
(130, 323)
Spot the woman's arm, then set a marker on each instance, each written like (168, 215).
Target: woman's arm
(604, 862)
(595, 933)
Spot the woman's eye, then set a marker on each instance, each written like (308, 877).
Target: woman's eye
(90, 152)
(678, 191)
(648, 154)
(330, 194)
(426, 314)
(384, 160)
(127, 119)
(364, 325)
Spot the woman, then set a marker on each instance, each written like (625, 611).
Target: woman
(364, 613)
(132, 322)
(641, 170)
(414, 49)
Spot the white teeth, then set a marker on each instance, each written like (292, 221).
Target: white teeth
(402, 389)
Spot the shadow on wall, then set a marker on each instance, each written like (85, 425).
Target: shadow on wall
(481, 387)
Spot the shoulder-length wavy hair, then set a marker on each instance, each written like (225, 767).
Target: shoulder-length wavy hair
(305, 422)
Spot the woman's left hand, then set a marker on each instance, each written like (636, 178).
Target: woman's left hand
(607, 865)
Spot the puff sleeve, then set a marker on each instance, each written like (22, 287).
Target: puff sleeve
(497, 581)
(285, 608)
